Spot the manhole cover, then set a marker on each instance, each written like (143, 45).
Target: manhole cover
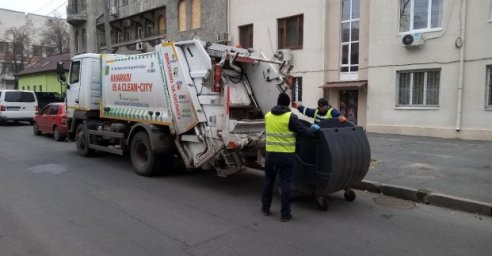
(393, 202)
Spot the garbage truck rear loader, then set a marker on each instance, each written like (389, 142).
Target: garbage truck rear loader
(193, 101)
(201, 104)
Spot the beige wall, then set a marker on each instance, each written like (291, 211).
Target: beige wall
(309, 62)
(387, 56)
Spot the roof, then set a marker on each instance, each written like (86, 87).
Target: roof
(345, 84)
(47, 64)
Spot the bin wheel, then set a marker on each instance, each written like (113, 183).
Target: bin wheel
(349, 195)
(322, 203)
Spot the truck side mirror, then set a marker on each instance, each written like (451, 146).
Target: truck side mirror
(60, 70)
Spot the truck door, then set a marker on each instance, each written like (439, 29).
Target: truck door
(74, 90)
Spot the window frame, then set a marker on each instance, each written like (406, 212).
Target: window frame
(429, 18)
(248, 28)
(488, 88)
(349, 75)
(411, 86)
(72, 71)
(282, 23)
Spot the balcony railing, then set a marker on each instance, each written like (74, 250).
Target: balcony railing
(74, 9)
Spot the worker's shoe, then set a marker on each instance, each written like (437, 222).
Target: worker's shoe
(265, 212)
(286, 218)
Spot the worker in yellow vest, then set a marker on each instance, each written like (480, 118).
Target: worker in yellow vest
(324, 111)
(282, 126)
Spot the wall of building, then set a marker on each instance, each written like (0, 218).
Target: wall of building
(213, 20)
(47, 81)
(387, 56)
(9, 19)
(309, 62)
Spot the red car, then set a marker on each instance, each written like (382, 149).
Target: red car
(51, 120)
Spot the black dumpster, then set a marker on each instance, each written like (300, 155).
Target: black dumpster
(336, 159)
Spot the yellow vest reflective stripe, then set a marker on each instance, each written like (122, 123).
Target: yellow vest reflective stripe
(318, 118)
(278, 136)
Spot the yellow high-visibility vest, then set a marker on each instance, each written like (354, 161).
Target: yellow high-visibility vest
(278, 136)
(319, 118)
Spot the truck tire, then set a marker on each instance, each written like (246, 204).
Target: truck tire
(145, 161)
(82, 141)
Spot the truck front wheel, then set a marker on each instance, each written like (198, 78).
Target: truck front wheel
(144, 160)
(82, 141)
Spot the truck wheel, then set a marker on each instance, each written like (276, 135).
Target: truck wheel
(82, 141)
(144, 160)
(349, 195)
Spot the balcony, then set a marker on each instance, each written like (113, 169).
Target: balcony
(76, 13)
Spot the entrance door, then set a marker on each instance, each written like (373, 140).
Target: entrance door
(348, 104)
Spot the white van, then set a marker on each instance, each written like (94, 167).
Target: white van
(17, 105)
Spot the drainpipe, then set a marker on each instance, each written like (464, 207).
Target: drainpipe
(228, 16)
(462, 64)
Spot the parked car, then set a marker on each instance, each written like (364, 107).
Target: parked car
(51, 120)
(17, 105)
(44, 98)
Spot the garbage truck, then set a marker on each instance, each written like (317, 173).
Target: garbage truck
(191, 102)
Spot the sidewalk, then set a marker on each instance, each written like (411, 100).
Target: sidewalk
(445, 172)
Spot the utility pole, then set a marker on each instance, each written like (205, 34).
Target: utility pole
(107, 28)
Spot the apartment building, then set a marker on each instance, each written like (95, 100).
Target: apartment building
(430, 68)
(137, 25)
(8, 46)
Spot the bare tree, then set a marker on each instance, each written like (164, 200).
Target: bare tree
(55, 34)
(19, 52)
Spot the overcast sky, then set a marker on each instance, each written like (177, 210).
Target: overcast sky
(41, 7)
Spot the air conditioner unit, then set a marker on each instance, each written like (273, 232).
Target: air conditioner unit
(412, 40)
(113, 11)
(223, 37)
(139, 46)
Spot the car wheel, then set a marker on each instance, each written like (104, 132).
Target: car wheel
(35, 129)
(56, 134)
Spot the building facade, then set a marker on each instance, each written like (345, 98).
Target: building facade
(42, 77)
(137, 25)
(13, 19)
(328, 42)
(430, 68)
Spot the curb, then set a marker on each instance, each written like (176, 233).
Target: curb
(426, 196)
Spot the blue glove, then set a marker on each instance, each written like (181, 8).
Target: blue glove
(315, 128)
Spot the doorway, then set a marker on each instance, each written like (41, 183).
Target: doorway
(349, 104)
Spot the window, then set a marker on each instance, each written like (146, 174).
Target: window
(418, 88)
(16, 96)
(420, 14)
(246, 36)
(350, 38)
(182, 15)
(290, 32)
(489, 88)
(195, 14)
(74, 72)
(161, 23)
(84, 40)
(4, 47)
(124, 2)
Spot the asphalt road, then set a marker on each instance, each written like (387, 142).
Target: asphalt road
(54, 202)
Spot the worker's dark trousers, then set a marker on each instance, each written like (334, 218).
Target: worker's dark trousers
(278, 163)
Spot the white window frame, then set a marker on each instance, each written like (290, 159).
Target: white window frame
(490, 12)
(488, 87)
(429, 19)
(410, 94)
(350, 75)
